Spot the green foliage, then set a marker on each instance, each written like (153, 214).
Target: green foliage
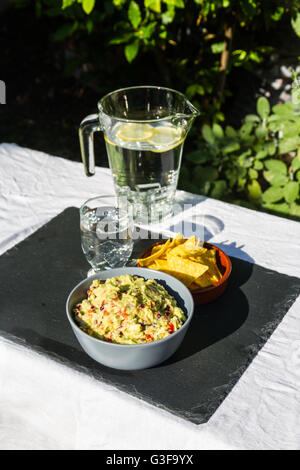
(187, 39)
(259, 163)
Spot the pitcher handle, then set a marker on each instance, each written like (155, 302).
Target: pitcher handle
(88, 126)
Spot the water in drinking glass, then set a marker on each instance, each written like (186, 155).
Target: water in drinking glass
(105, 237)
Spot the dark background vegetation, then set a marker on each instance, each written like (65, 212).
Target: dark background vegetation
(57, 63)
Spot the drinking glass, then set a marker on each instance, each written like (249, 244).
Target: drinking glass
(106, 237)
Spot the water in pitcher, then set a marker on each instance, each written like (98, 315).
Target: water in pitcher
(145, 159)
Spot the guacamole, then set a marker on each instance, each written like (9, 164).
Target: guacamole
(128, 310)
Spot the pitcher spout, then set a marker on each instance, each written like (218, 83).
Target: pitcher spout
(193, 111)
(186, 119)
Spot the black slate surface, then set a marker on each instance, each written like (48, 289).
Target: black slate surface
(224, 336)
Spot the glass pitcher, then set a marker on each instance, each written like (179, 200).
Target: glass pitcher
(144, 130)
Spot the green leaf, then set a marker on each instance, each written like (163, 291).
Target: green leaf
(231, 146)
(275, 179)
(296, 162)
(121, 39)
(65, 31)
(199, 156)
(217, 48)
(231, 175)
(195, 89)
(246, 129)
(230, 132)
(175, 3)
(273, 194)
(261, 132)
(296, 95)
(168, 16)
(219, 189)
(245, 161)
(252, 118)
(89, 26)
(288, 130)
(218, 131)
(254, 191)
(208, 134)
(258, 165)
(119, 3)
(277, 14)
(271, 148)
(67, 3)
(154, 5)
(241, 183)
(253, 175)
(88, 6)
(281, 207)
(134, 14)
(291, 192)
(298, 175)
(296, 24)
(263, 107)
(288, 145)
(261, 154)
(284, 110)
(295, 209)
(131, 50)
(276, 166)
(255, 56)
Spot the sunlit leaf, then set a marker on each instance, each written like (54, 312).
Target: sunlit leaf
(273, 194)
(295, 209)
(296, 162)
(296, 24)
(88, 6)
(275, 179)
(217, 131)
(217, 48)
(131, 50)
(208, 134)
(154, 5)
(254, 190)
(263, 107)
(276, 166)
(291, 192)
(218, 189)
(134, 14)
(175, 3)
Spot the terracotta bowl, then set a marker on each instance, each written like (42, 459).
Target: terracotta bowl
(204, 295)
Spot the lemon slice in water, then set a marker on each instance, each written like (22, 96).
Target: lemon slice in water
(166, 136)
(134, 132)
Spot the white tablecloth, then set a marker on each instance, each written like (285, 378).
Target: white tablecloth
(46, 405)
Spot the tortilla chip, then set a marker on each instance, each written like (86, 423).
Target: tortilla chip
(205, 280)
(178, 251)
(186, 266)
(161, 263)
(176, 240)
(184, 278)
(187, 260)
(151, 258)
(155, 249)
(210, 260)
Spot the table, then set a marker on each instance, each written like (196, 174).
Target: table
(46, 405)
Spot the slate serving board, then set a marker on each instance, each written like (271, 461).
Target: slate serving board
(37, 275)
